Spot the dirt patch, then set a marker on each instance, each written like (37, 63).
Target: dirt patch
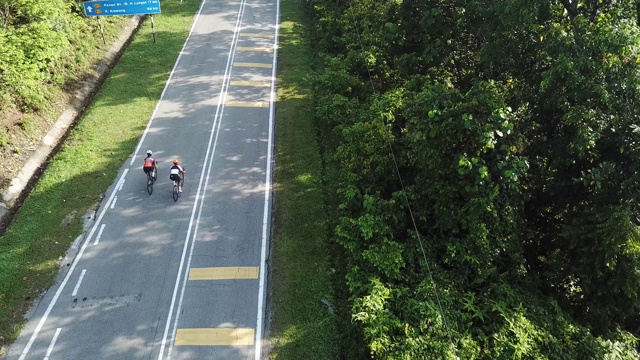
(69, 218)
(20, 136)
(10, 117)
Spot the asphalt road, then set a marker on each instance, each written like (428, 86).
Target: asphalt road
(158, 279)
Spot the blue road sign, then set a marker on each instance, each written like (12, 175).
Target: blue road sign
(121, 7)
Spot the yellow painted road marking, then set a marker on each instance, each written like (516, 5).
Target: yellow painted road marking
(250, 83)
(266, 36)
(247, 103)
(214, 337)
(265, 49)
(246, 64)
(224, 273)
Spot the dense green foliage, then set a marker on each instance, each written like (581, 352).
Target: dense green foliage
(43, 44)
(513, 232)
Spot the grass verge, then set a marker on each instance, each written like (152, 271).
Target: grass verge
(303, 326)
(51, 217)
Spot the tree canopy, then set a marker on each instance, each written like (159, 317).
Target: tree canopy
(488, 182)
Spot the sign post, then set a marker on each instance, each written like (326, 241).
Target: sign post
(153, 29)
(101, 31)
(122, 7)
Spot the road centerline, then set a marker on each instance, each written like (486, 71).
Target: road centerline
(207, 164)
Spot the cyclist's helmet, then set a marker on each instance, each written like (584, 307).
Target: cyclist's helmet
(175, 162)
(149, 152)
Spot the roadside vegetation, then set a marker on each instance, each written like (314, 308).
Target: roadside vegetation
(304, 315)
(489, 174)
(47, 48)
(51, 217)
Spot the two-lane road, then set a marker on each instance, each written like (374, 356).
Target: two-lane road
(158, 279)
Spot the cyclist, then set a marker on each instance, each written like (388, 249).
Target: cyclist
(177, 174)
(150, 165)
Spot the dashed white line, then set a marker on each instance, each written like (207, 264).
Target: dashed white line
(75, 289)
(114, 202)
(53, 343)
(99, 234)
(73, 266)
(121, 185)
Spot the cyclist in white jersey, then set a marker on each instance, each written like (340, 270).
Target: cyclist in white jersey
(177, 174)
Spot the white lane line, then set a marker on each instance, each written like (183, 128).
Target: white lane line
(221, 99)
(53, 343)
(99, 234)
(155, 110)
(267, 194)
(75, 289)
(121, 185)
(114, 202)
(73, 266)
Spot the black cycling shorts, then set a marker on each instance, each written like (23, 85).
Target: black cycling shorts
(175, 177)
(147, 169)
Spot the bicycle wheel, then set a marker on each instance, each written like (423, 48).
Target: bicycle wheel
(149, 183)
(175, 191)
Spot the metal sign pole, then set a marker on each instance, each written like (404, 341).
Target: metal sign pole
(102, 32)
(153, 30)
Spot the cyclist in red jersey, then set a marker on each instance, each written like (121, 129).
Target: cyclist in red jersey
(150, 165)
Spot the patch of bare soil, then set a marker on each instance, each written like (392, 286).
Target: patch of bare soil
(21, 134)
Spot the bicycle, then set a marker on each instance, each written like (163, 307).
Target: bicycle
(175, 188)
(150, 180)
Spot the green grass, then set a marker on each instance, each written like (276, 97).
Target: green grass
(52, 215)
(302, 327)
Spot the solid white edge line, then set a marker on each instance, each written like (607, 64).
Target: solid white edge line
(121, 185)
(155, 110)
(53, 343)
(99, 234)
(193, 212)
(75, 289)
(73, 266)
(218, 120)
(267, 194)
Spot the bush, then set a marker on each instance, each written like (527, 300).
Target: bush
(35, 42)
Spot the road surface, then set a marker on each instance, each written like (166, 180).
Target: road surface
(158, 279)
